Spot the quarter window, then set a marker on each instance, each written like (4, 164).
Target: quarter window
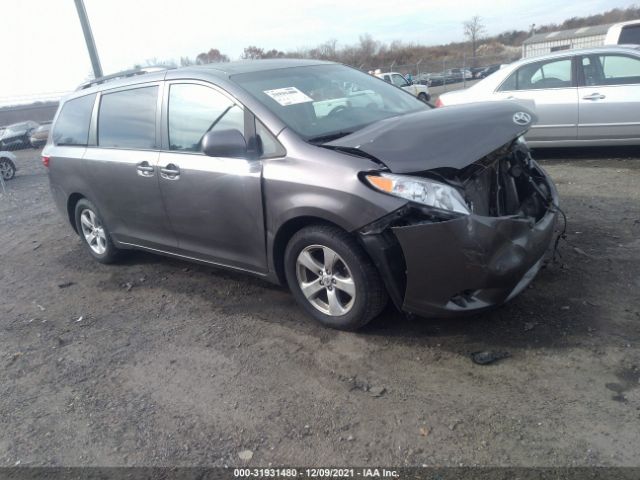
(127, 119)
(535, 76)
(269, 146)
(195, 110)
(72, 125)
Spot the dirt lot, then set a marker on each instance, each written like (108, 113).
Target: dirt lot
(161, 362)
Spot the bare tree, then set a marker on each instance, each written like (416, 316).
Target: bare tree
(474, 30)
(212, 56)
(368, 47)
(252, 53)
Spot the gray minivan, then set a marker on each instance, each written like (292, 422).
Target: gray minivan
(308, 174)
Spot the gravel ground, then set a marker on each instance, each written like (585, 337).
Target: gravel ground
(161, 362)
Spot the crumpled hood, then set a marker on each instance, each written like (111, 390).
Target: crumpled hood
(452, 137)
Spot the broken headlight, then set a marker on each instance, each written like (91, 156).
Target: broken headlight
(420, 190)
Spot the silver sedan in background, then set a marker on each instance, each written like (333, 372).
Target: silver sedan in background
(582, 97)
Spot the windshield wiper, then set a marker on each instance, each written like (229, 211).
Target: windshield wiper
(328, 137)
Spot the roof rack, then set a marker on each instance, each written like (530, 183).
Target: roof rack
(124, 74)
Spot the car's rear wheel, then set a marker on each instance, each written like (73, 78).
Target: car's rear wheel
(94, 233)
(332, 278)
(423, 96)
(7, 169)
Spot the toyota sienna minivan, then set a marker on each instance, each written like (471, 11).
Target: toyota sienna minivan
(308, 174)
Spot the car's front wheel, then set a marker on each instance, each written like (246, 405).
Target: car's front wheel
(332, 278)
(424, 97)
(7, 169)
(94, 233)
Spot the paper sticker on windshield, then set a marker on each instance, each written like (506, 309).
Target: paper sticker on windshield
(288, 96)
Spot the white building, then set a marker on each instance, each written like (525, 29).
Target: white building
(584, 37)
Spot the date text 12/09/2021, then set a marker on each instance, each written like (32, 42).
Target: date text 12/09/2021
(315, 473)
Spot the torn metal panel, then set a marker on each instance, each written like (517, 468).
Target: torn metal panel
(471, 263)
(387, 256)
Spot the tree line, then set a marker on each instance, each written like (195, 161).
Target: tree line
(369, 53)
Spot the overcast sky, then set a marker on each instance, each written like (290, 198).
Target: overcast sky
(44, 50)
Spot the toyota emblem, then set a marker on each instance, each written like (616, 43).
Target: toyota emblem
(521, 118)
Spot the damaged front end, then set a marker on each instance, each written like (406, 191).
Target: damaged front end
(480, 249)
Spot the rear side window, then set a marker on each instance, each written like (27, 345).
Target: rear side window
(72, 126)
(127, 119)
(630, 35)
(195, 110)
(620, 70)
(610, 70)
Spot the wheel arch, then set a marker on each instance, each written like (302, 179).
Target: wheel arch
(287, 230)
(72, 201)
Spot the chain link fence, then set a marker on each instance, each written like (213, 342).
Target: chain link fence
(447, 73)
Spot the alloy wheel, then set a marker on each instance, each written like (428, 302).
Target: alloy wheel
(325, 280)
(93, 231)
(6, 170)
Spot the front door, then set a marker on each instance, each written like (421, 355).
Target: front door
(551, 85)
(399, 81)
(609, 97)
(213, 204)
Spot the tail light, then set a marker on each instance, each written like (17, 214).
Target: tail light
(45, 160)
(439, 103)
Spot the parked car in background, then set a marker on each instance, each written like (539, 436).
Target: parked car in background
(233, 165)
(416, 89)
(459, 74)
(17, 136)
(437, 79)
(582, 97)
(486, 71)
(7, 165)
(40, 135)
(623, 33)
(475, 71)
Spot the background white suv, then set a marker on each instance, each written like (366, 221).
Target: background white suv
(397, 79)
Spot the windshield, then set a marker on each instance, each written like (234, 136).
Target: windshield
(322, 102)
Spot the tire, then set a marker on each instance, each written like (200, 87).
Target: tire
(423, 96)
(329, 299)
(7, 169)
(94, 233)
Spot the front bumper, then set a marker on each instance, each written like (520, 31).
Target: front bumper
(471, 263)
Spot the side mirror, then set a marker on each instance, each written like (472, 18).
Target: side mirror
(224, 143)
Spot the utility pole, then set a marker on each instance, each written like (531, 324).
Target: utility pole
(88, 37)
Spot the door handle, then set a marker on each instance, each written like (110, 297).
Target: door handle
(170, 172)
(594, 96)
(144, 169)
